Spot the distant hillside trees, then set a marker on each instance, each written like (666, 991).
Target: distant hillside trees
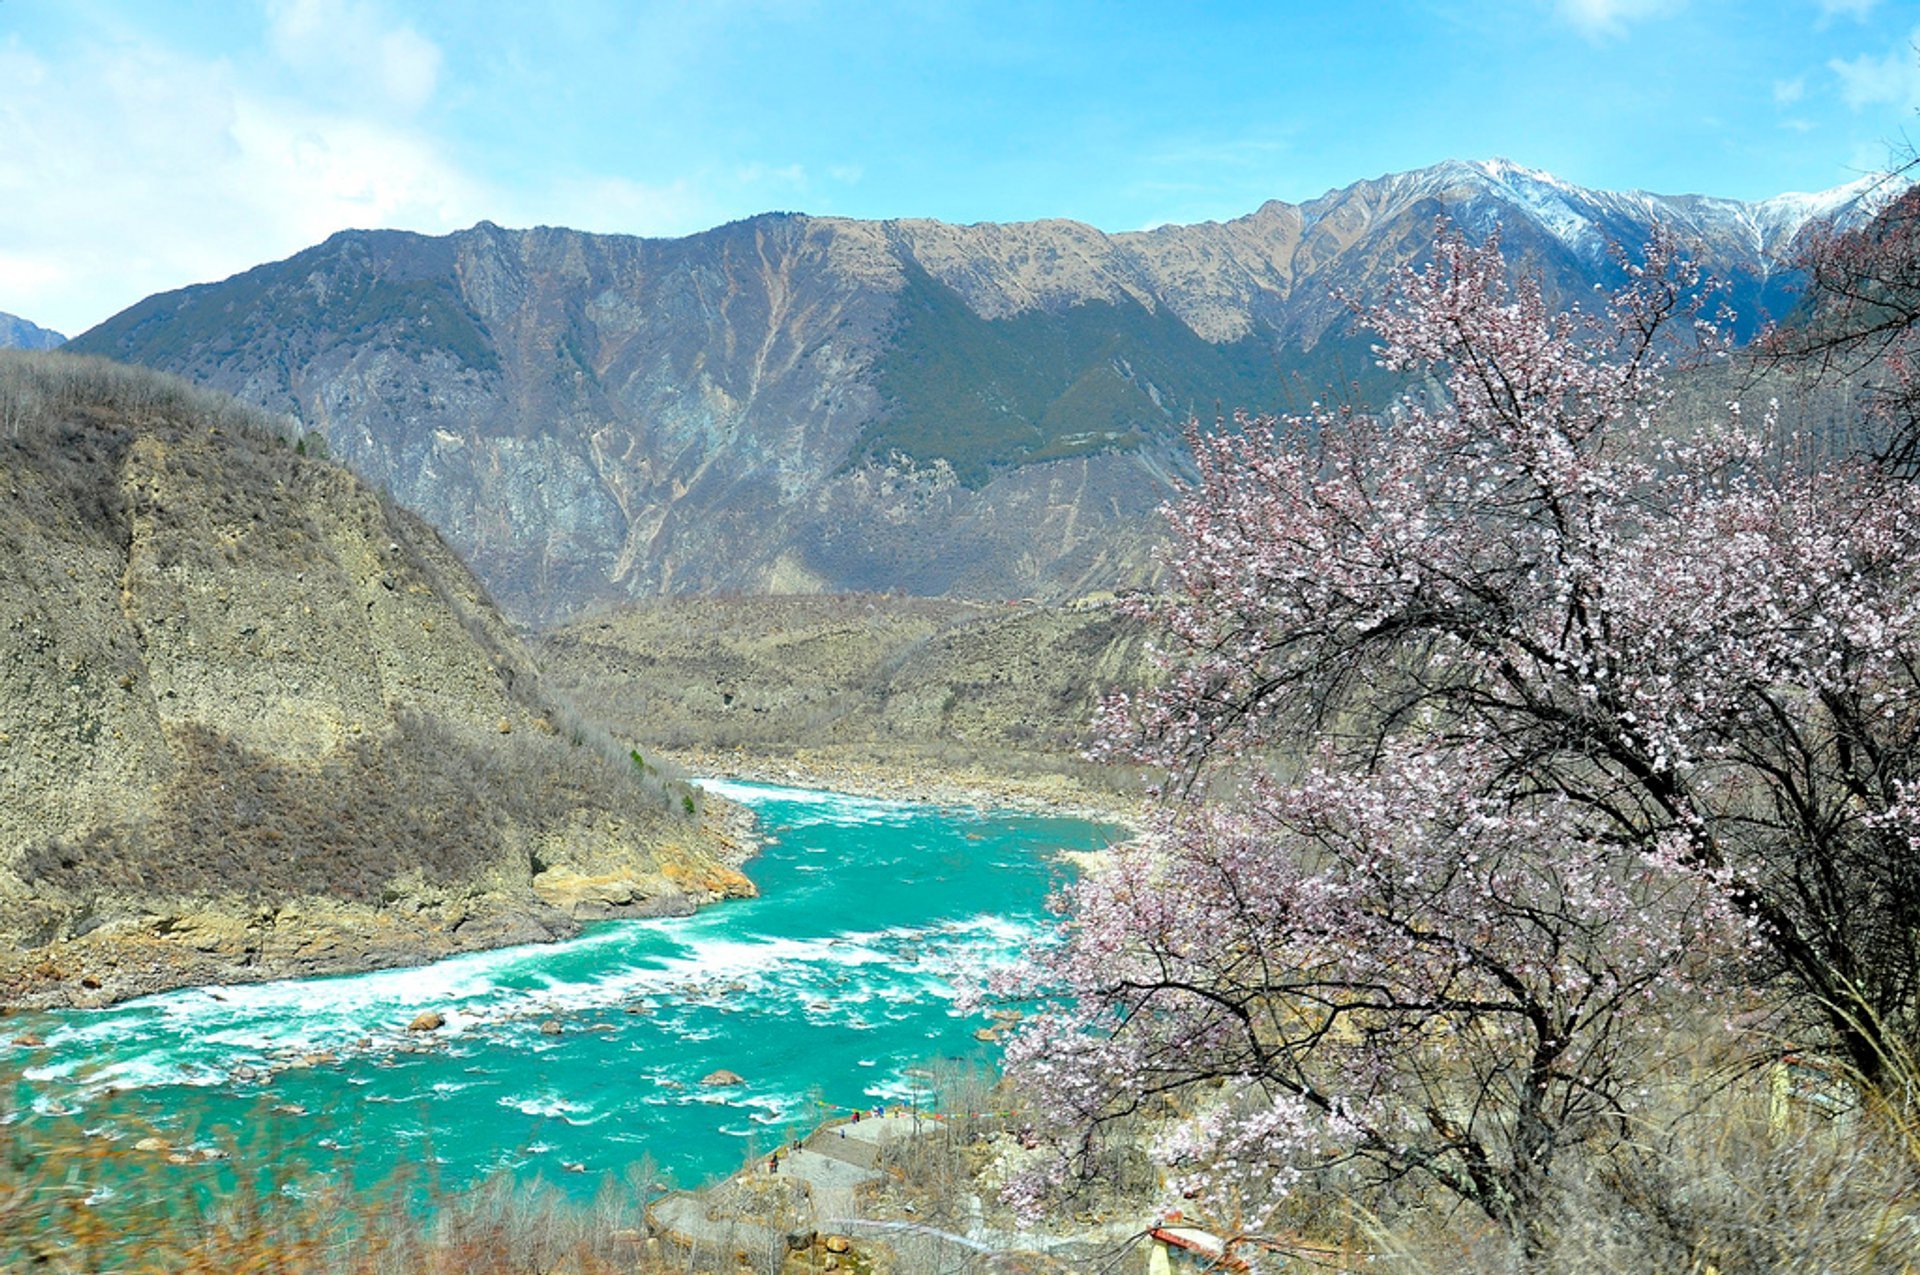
(1494, 729)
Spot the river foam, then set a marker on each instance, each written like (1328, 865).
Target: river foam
(827, 992)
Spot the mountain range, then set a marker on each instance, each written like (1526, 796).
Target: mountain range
(814, 404)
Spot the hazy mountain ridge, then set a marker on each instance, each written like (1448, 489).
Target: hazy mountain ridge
(18, 334)
(791, 403)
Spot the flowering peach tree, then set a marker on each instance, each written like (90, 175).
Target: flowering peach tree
(1493, 728)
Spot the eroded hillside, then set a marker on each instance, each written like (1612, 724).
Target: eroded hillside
(257, 721)
(864, 678)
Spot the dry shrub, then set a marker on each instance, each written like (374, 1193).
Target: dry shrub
(1749, 1164)
(40, 390)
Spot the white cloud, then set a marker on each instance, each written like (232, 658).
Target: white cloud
(1855, 9)
(131, 169)
(1787, 92)
(1890, 80)
(1606, 19)
(325, 172)
(349, 49)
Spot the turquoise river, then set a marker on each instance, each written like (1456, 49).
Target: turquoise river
(831, 990)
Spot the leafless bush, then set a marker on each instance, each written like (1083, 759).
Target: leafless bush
(41, 389)
(1759, 1167)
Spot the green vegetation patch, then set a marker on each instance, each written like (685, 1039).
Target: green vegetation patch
(983, 394)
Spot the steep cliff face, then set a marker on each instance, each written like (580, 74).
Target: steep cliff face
(793, 403)
(255, 720)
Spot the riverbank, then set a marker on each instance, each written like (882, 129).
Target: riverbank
(172, 943)
(909, 778)
(205, 942)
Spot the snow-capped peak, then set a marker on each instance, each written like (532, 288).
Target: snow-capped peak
(1587, 221)
(1506, 172)
(1870, 194)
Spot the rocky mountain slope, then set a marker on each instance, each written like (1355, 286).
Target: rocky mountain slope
(798, 404)
(18, 334)
(257, 721)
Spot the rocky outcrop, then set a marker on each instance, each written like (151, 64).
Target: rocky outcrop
(257, 721)
(793, 404)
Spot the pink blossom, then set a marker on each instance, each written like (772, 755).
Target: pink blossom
(1495, 725)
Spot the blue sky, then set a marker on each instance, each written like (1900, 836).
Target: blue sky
(147, 144)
